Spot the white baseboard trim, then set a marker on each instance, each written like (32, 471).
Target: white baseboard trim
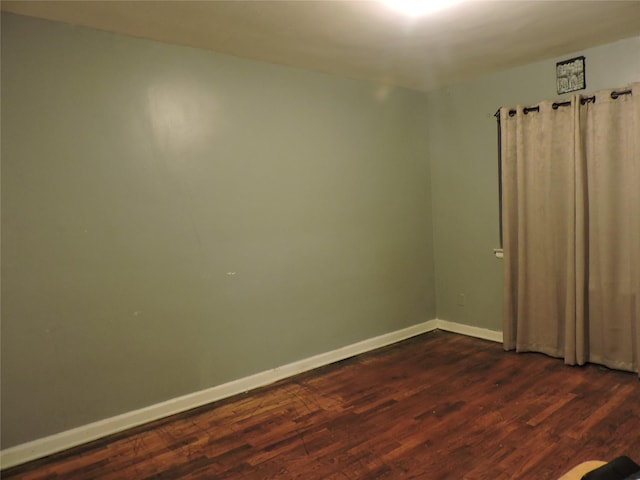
(469, 330)
(70, 438)
(77, 436)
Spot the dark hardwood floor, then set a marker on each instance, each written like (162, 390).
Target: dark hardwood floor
(439, 406)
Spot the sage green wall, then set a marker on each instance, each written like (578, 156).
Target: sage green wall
(463, 152)
(137, 175)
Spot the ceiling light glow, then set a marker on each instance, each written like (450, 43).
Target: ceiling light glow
(416, 8)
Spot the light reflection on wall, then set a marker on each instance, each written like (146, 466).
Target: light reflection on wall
(382, 92)
(183, 116)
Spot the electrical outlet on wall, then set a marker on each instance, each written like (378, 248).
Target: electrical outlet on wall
(462, 298)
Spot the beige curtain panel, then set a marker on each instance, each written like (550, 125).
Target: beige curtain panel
(571, 228)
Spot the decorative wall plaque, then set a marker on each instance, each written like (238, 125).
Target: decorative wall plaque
(570, 75)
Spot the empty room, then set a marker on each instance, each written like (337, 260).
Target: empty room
(320, 240)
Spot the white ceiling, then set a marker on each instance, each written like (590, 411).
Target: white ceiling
(363, 39)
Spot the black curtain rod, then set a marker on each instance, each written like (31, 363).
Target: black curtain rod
(615, 95)
(556, 105)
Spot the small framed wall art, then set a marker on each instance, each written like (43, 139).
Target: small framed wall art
(570, 75)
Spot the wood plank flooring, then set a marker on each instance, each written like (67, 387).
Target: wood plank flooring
(439, 406)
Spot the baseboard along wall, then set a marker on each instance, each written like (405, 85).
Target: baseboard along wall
(77, 436)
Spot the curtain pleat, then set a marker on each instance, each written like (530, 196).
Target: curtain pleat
(635, 258)
(571, 229)
(576, 328)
